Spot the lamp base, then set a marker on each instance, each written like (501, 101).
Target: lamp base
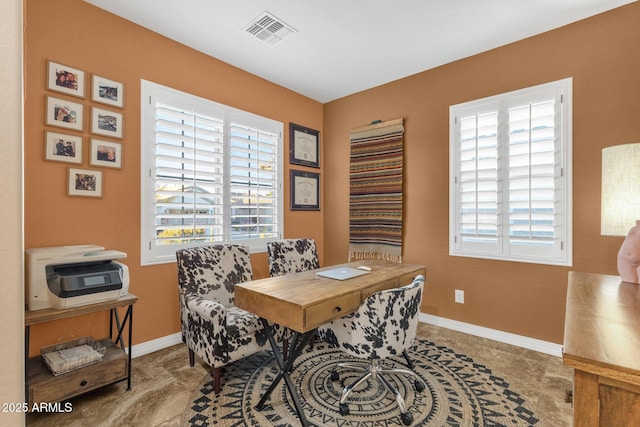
(629, 256)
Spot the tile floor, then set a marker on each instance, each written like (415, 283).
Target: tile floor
(163, 382)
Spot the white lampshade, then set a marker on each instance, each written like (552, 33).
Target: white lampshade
(620, 189)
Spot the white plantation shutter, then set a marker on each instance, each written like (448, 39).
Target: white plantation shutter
(511, 190)
(189, 177)
(535, 212)
(254, 182)
(479, 207)
(210, 174)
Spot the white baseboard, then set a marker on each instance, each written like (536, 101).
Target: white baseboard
(495, 335)
(155, 345)
(468, 328)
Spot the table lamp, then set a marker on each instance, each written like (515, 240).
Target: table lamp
(621, 205)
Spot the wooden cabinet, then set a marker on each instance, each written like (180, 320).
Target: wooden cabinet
(602, 344)
(43, 387)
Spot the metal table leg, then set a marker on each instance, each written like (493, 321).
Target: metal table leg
(297, 345)
(128, 319)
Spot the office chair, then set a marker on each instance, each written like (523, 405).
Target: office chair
(384, 325)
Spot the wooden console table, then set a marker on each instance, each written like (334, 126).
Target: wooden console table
(43, 387)
(602, 344)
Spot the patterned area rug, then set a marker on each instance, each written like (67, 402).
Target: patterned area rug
(459, 392)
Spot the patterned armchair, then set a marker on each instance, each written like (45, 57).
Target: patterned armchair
(292, 256)
(384, 325)
(212, 326)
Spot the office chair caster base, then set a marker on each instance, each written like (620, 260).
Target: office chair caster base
(419, 385)
(344, 409)
(335, 376)
(406, 418)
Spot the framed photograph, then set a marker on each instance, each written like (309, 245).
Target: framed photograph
(305, 191)
(63, 113)
(105, 122)
(105, 153)
(107, 91)
(84, 182)
(65, 79)
(304, 147)
(60, 147)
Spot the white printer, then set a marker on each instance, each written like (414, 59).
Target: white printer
(71, 276)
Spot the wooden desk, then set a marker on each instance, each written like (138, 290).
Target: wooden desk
(303, 302)
(602, 344)
(42, 386)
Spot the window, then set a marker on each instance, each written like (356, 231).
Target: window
(210, 174)
(510, 165)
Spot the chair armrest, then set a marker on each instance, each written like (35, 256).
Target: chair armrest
(207, 329)
(209, 310)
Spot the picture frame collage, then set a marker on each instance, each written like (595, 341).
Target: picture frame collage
(106, 124)
(304, 150)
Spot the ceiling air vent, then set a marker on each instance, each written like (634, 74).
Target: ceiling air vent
(269, 28)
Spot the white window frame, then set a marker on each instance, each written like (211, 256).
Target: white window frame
(151, 93)
(558, 249)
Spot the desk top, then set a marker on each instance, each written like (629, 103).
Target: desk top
(602, 325)
(48, 314)
(304, 301)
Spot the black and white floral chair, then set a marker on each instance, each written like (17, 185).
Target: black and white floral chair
(384, 325)
(292, 256)
(212, 326)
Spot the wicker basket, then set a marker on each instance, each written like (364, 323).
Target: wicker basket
(69, 355)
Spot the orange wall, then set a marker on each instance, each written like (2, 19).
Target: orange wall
(76, 34)
(602, 54)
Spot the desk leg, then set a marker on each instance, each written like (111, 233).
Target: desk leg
(298, 343)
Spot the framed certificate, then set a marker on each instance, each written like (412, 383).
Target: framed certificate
(304, 147)
(305, 191)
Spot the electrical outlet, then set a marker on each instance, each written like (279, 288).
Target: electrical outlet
(459, 298)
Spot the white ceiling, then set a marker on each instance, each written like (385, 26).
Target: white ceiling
(346, 46)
